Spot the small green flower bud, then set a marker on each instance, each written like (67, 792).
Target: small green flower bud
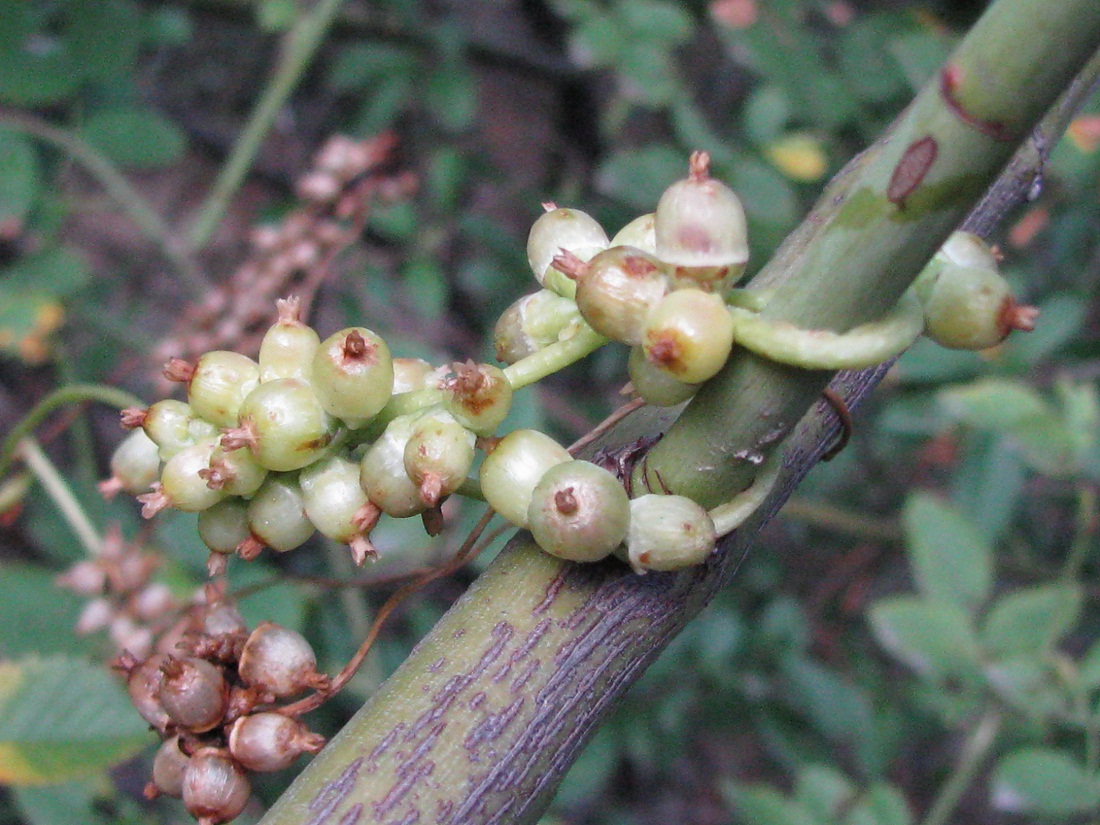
(561, 229)
(668, 533)
(510, 472)
(689, 335)
(289, 345)
(353, 374)
(578, 511)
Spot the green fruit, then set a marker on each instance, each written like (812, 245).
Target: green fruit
(578, 511)
(337, 505)
(277, 514)
(353, 374)
(701, 230)
(173, 425)
(616, 290)
(234, 472)
(531, 323)
(412, 374)
(479, 396)
(288, 346)
(668, 533)
(284, 424)
(382, 471)
(224, 526)
(438, 455)
(557, 230)
(510, 472)
(641, 233)
(219, 383)
(181, 484)
(689, 335)
(654, 385)
(135, 465)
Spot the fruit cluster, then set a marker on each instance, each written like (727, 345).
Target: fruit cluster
(210, 691)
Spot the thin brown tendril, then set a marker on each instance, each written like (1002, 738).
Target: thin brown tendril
(846, 426)
(605, 425)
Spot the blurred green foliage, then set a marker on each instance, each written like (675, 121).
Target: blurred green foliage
(915, 638)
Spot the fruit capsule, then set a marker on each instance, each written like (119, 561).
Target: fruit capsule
(689, 335)
(337, 505)
(279, 661)
(234, 472)
(171, 424)
(181, 484)
(169, 766)
(284, 425)
(288, 346)
(560, 229)
(194, 693)
(382, 471)
(578, 511)
(277, 514)
(135, 465)
(438, 455)
(353, 374)
(531, 323)
(700, 229)
(510, 472)
(217, 384)
(271, 741)
(616, 290)
(215, 787)
(654, 385)
(479, 396)
(640, 233)
(668, 532)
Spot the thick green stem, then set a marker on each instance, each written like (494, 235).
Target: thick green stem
(975, 750)
(299, 46)
(481, 722)
(62, 496)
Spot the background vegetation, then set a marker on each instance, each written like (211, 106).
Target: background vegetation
(913, 639)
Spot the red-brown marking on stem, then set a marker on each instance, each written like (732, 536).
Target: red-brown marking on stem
(911, 169)
(950, 78)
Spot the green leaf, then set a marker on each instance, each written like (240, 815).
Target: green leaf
(823, 791)
(1000, 404)
(656, 21)
(62, 719)
(69, 803)
(138, 138)
(951, 561)
(359, 67)
(19, 177)
(1045, 782)
(766, 114)
(1080, 402)
(1088, 669)
(990, 480)
(637, 177)
(1031, 620)
(1063, 315)
(39, 73)
(276, 15)
(760, 805)
(24, 626)
(882, 804)
(104, 36)
(867, 64)
(426, 285)
(936, 639)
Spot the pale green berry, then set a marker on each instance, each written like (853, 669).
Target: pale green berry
(578, 511)
(337, 505)
(289, 345)
(224, 526)
(641, 233)
(382, 471)
(171, 424)
(181, 484)
(277, 514)
(689, 335)
(616, 290)
(531, 323)
(557, 230)
(135, 465)
(284, 425)
(510, 472)
(234, 472)
(653, 385)
(479, 396)
(412, 374)
(216, 384)
(972, 308)
(668, 532)
(701, 230)
(353, 374)
(438, 455)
